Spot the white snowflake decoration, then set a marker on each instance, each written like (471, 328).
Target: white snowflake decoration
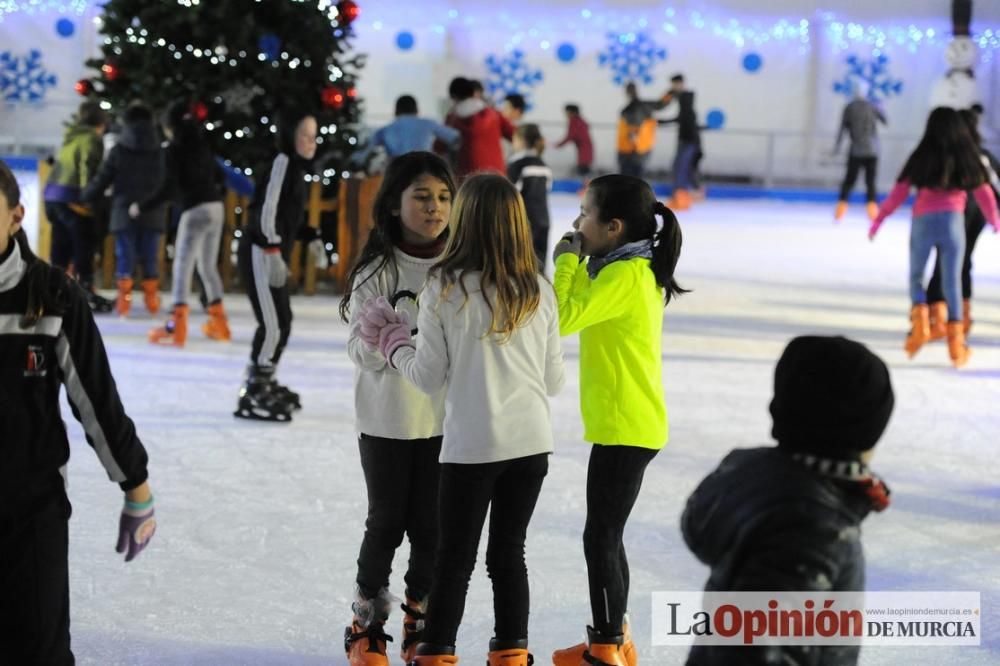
(24, 78)
(510, 74)
(631, 57)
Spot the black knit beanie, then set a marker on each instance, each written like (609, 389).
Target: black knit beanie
(832, 397)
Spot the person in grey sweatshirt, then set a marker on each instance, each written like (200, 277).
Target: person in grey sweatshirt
(860, 121)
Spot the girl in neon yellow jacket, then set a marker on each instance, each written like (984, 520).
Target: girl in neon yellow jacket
(615, 301)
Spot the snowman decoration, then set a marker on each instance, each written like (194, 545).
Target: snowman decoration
(958, 88)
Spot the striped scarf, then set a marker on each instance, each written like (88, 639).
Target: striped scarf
(851, 471)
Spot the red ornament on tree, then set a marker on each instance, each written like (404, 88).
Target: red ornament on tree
(333, 97)
(110, 70)
(84, 87)
(200, 111)
(348, 10)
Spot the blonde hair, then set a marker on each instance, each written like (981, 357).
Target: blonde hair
(490, 233)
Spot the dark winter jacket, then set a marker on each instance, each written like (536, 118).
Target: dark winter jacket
(763, 521)
(534, 180)
(277, 212)
(76, 163)
(61, 349)
(192, 175)
(135, 168)
(687, 118)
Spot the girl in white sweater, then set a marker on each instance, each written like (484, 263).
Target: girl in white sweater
(400, 427)
(489, 336)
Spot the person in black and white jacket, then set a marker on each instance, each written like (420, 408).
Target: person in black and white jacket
(533, 179)
(48, 340)
(276, 222)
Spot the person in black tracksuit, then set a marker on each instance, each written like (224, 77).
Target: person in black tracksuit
(788, 518)
(276, 222)
(533, 178)
(48, 340)
(688, 144)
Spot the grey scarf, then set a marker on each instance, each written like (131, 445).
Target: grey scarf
(642, 248)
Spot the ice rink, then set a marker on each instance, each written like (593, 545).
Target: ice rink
(259, 524)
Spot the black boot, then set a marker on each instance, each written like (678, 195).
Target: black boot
(286, 395)
(258, 400)
(98, 304)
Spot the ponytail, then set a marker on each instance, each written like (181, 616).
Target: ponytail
(632, 201)
(666, 251)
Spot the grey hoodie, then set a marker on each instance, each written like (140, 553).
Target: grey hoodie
(860, 121)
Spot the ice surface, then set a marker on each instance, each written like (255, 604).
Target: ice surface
(259, 524)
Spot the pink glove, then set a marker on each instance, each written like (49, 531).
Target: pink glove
(376, 313)
(394, 336)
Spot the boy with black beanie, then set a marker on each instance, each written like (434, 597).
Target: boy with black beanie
(788, 518)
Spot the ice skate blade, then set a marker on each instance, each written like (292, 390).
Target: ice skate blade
(252, 414)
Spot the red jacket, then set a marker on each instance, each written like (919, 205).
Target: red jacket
(482, 129)
(578, 132)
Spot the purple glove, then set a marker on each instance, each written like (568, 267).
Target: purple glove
(376, 313)
(394, 336)
(135, 528)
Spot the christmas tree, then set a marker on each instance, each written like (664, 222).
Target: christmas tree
(238, 62)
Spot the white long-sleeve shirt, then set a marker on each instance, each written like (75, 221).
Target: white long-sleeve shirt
(385, 404)
(496, 405)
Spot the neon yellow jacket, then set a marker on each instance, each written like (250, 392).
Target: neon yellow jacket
(619, 316)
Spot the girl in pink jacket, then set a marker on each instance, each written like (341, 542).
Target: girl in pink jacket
(943, 167)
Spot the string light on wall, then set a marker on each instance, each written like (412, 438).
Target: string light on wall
(8, 7)
(544, 28)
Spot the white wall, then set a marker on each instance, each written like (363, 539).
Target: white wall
(785, 114)
(791, 94)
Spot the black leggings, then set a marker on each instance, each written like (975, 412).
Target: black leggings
(974, 224)
(614, 478)
(34, 585)
(509, 490)
(854, 165)
(402, 479)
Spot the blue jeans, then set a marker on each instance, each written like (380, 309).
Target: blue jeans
(945, 232)
(139, 241)
(684, 165)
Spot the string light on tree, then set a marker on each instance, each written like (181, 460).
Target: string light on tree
(111, 71)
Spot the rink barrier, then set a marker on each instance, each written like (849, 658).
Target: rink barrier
(354, 199)
(740, 192)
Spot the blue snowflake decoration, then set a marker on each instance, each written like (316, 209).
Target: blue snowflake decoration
(510, 74)
(631, 57)
(872, 73)
(24, 78)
